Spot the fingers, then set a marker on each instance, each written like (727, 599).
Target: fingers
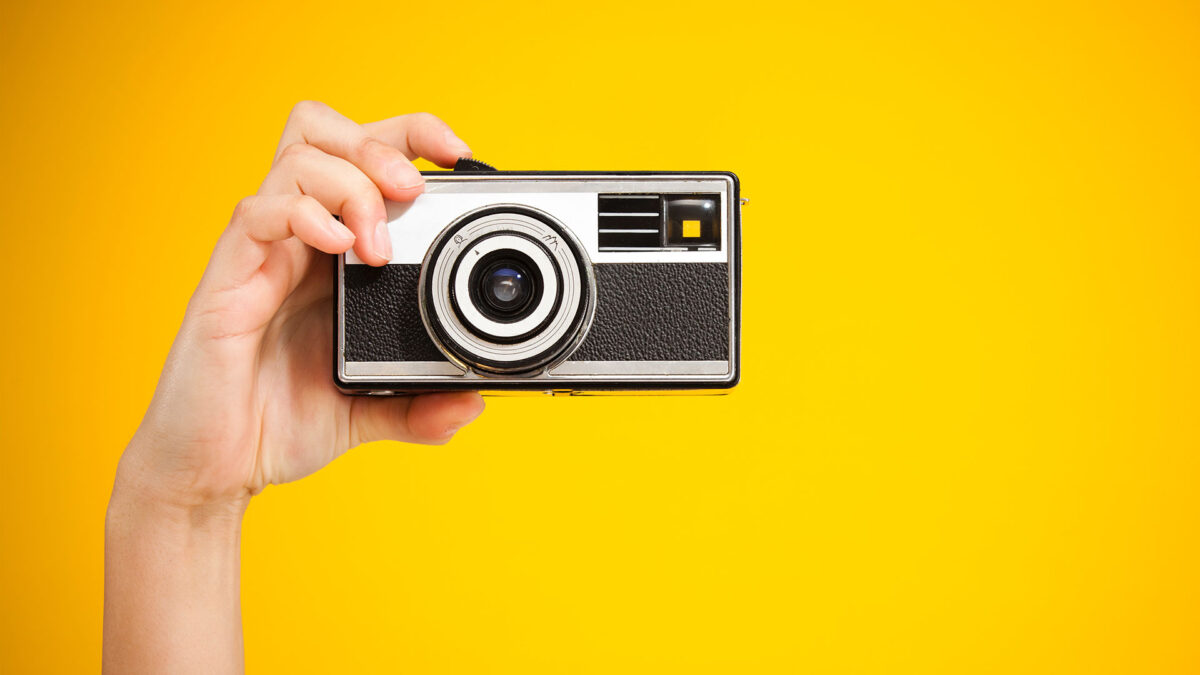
(429, 418)
(318, 125)
(350, 169)
(420, 135)
(258, 221)
(342, 189)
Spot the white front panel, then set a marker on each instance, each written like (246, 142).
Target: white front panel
(414, 225)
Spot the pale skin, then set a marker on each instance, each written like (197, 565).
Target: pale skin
(246, 398)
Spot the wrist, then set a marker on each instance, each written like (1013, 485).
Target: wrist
(130, 508)
(142, 494)
(171, 569)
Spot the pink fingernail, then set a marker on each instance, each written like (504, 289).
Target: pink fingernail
(338, 230)
(457, 144)
(405, 176)
(455, 428)
(383, 241)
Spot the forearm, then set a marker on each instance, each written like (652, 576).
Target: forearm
(171, 584)
(249, 369)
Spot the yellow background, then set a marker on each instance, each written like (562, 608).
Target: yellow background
(967, 435)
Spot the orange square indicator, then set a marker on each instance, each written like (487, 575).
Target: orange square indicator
(691, 228)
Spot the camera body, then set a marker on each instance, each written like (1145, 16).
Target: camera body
(548, 281)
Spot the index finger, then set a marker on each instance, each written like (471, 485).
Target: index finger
(421, 135)
(387, 165)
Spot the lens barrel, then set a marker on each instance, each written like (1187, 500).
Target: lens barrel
(506, 289)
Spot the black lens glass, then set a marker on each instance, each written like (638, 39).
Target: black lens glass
(505, 286)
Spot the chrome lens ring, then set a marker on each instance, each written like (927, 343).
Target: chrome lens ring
(555, 326)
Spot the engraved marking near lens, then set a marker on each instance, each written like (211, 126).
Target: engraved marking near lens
(506, 289)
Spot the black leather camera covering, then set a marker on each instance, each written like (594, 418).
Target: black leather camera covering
(645, 312)
(659, 312)
(383, 322)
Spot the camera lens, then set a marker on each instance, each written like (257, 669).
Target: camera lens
(506, 289)
(505, 286)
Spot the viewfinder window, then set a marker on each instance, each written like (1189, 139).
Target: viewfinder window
(693, 221)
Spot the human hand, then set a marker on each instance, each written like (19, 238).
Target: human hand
(246, 398)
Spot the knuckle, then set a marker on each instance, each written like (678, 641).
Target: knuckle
(368, 199)
(305, 205)
(362, 210)
(242, 209)
(368, 147)
(359, 210)
(306, 108)
(426, 118)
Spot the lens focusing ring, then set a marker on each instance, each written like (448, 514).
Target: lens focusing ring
(554, 297)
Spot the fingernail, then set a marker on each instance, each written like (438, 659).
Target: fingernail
(454, 428)
(338, 230)
(457, 144)
(383, 241)
(405, 176)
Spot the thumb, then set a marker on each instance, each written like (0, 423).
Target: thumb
(432, 419)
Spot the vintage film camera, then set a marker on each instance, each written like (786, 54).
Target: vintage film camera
(551, 281)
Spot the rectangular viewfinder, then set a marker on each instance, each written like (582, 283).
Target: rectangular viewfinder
(693, 221)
